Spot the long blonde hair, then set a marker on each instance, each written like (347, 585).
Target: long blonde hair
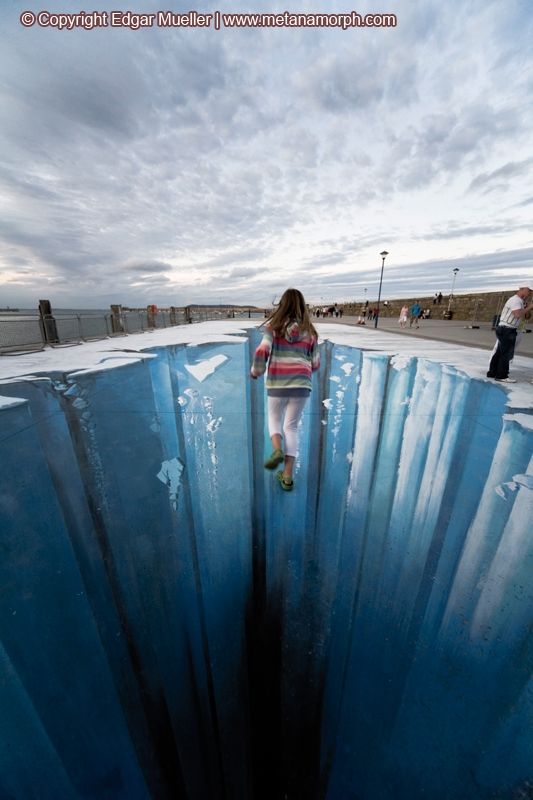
(291, 308)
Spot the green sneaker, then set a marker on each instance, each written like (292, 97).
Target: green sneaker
(275, 459)
(287, 484)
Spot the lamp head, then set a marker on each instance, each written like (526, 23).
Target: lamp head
(383, 254)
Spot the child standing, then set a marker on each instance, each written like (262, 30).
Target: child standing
(290, 348)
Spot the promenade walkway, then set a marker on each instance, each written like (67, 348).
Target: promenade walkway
(452, 332)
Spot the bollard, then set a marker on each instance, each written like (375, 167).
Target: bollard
(117, 319)
(48, 323)
(151, 312)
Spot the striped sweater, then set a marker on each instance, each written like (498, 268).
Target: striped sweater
(291, 358)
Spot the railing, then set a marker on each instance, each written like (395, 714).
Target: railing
(16, 334)
(24, 332)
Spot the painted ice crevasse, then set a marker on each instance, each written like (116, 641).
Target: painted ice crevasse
(172, 625)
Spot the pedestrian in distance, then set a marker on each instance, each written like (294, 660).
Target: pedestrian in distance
(288, 353)
(515, 309)
(414, 314)
(402, 319)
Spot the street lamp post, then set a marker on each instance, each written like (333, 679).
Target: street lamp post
(455, 271)
(383, 255)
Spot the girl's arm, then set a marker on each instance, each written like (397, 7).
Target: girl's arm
(262, 354)
(315, 355)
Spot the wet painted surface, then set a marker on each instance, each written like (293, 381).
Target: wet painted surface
(172, 625)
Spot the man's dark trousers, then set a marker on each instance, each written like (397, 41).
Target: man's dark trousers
(499, 363)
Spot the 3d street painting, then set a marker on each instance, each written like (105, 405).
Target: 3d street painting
(175, 626)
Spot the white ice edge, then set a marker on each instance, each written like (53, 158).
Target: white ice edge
(106, 354)
(107, 364)
(203, 369)
(525, 420)
(24, 378)
(10, 402)
(472, 361)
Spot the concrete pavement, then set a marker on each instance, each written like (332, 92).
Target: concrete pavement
(452, 331)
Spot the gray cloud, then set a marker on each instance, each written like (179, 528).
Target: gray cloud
(443, 143)
(241, 272)
(326, 260)
(234, 257)
(527, 202)
(456, 231)
(507, 171)
(191, 163)
(353, 81)
(147, 267)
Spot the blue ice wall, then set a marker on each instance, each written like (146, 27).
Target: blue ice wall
(173, 625)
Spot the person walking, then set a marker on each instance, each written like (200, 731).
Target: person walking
(289, 354)
(402, 319)
(415, 312)
(515, 309)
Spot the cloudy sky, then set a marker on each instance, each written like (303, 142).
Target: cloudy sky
(176, 166)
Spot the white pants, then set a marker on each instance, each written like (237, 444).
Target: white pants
(284, 414)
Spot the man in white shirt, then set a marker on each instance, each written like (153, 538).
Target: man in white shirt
(513, 311)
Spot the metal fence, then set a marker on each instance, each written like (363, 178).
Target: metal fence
(23, 332)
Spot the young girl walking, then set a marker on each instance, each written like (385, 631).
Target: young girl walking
(290, 348)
